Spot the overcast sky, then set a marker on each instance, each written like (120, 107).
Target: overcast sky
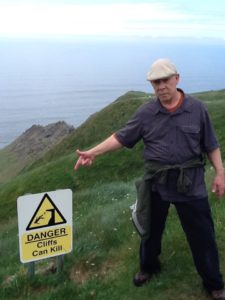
(168, 18)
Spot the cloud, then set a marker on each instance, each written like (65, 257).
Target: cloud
(113, 19)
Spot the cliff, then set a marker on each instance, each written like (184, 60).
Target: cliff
(29, 147)
(37, 140)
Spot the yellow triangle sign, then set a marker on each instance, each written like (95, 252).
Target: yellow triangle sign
(47, 214)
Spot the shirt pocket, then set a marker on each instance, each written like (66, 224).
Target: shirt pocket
(189, 129)
(189, 137)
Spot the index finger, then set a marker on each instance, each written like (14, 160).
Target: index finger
(77, 165)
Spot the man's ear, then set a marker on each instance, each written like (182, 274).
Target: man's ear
(177, 78)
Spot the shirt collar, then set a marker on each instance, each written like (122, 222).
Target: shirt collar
(186, 106)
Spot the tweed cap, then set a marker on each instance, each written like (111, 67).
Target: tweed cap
(161, 68)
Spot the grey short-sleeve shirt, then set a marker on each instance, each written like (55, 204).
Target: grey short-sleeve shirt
(173, 138)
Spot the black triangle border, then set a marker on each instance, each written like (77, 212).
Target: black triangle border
(40, 204)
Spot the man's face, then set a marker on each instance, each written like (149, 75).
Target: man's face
(166, 88)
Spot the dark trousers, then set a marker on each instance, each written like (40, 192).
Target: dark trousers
(196, 220)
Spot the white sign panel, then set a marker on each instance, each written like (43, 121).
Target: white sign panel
(45, 224)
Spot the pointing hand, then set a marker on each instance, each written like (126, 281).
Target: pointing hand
(85, 159)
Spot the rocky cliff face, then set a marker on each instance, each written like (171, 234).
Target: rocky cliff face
(37, 140)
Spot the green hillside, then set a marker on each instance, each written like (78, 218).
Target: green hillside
(55, 169)
(105, 254)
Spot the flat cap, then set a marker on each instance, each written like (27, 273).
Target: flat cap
(161, 68)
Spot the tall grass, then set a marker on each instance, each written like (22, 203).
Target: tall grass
(105, 254)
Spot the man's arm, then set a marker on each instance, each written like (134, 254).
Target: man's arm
(218, 185)
(86, 158)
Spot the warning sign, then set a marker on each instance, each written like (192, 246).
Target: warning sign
(45, 224)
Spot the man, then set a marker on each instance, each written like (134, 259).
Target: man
(177, 134)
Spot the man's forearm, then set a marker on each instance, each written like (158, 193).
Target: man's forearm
(110, 144)
(216, 160)
(218, 185)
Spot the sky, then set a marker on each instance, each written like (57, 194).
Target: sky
(113, 18)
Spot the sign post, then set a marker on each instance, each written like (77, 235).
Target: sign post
(45, 225)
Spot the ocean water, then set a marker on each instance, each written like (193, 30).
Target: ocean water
(44, 81)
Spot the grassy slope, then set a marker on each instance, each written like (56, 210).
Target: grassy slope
(112, 117)
(9, 165)
(215, 102)
(105, 245)
(55, 170)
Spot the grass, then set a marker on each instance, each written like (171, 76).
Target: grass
(105, 254)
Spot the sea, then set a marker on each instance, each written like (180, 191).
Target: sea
(43, 81)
